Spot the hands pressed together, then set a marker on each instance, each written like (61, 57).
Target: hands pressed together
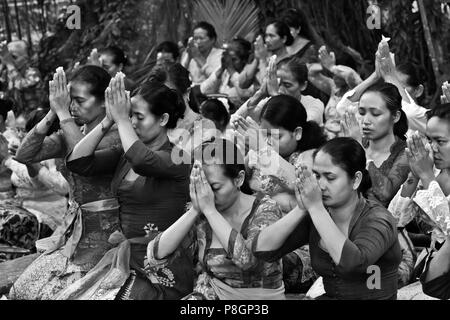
(117, 100)
(445, 98)
(202, 196)
(59, 92)
(307, 190)
(420, 159)
(273, 87)
(350, 126)
(94, 59)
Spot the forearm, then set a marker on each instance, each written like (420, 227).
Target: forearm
(37, 147)
(332, 237)
(440, 264)
(366, 84)
(172, 237)
(185, 60)
(273, 237)
(71, 132)
(401, 89)
(45, 124)
(212, 84)
(127, 134)
(87, 146)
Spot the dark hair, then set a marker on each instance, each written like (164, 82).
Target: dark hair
(226, 154)
(296, 18)
(96, 77)
(210, 30)
(175, 73)
(161, 100)
(349, 155)
(117, 54)
(441, 111)
(393, 100)
(36, 116)
(283, 31)
(6, 106)
(298, 68)
(169, 47)
(287, 112)
(414, 73)
(214, 110)
(242, 47)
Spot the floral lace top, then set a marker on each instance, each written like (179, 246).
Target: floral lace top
(236, 266)
(429, 206)
(279, 176)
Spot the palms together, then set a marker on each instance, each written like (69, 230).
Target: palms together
(117, 99)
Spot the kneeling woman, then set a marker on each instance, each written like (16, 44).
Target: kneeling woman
(221, 226)
(350, 237)
(150, 188)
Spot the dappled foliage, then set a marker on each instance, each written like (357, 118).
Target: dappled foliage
(138, 25)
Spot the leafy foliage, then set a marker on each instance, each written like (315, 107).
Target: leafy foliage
(138, 25)
(231, 18)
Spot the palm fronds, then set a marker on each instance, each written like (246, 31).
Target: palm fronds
(231, 18)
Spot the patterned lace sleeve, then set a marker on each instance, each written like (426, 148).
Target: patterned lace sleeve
(386, 186)
(37, 147)
(435, 204)
(240, 248)
(275, 172)
(403, 209)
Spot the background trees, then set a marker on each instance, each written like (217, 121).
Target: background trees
(137, 25)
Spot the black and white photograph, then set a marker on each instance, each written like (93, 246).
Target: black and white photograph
(258, 154)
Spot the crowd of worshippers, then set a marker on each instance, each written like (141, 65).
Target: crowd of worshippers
(354, 203)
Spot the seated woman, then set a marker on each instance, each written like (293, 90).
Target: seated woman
(404, 77)
(350, 237)
(276, 40)
(89, 221)
(202, 57)
(425, 196)
(284, 119)
(150, 188)
(40, 188)
(293, 75)
(384, 127)
(225, 80)
(222, 224)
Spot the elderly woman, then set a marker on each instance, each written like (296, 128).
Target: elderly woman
(202, 58)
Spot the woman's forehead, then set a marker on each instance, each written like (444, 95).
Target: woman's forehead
(80, 89)
(323, 163)
(372, 100)
(138, 104)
